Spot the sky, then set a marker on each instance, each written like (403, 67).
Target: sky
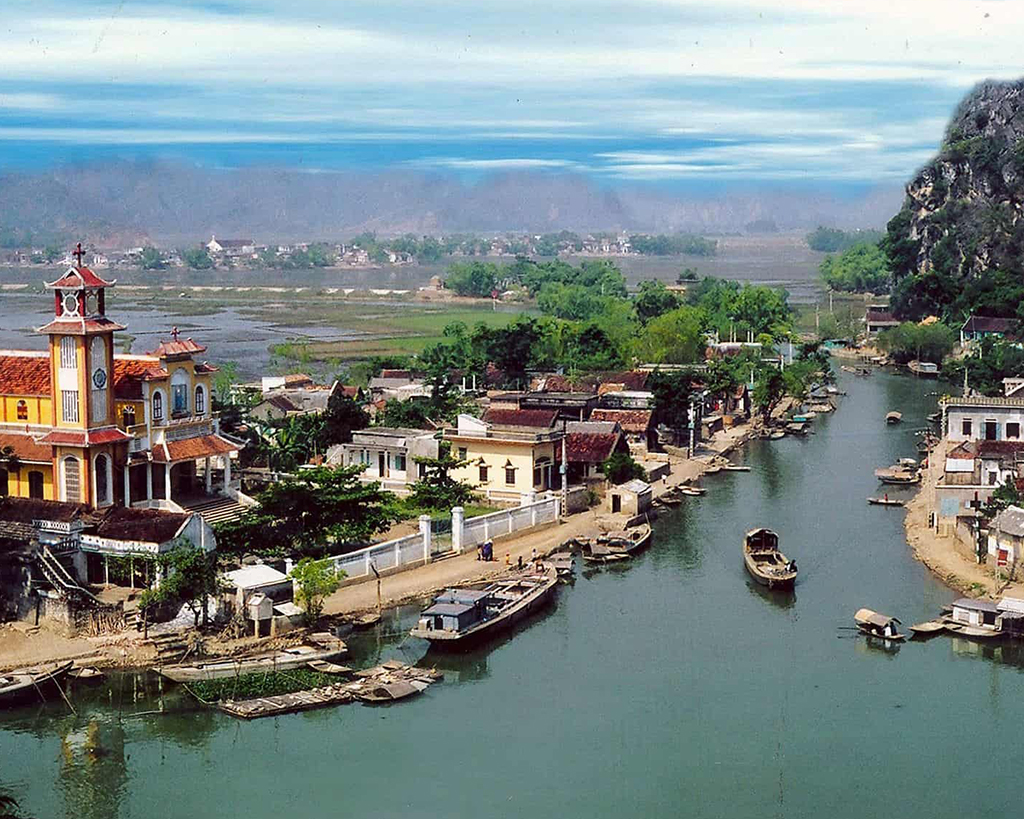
(660, 91)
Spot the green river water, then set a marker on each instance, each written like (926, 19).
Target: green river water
(668, 687)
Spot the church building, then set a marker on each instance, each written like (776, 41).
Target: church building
(82, 424)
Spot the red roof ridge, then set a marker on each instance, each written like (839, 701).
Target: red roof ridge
(84, 276)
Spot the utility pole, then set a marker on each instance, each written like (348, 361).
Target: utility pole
(564, 471)
(692, 419)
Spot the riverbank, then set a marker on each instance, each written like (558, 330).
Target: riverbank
(941, 554)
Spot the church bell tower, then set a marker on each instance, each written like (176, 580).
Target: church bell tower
(86, 441)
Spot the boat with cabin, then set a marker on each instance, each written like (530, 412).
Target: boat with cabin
(462, 616)
(26, 684)
(923, 369)
(765, 563)
(874, 624)
(893, 417)
(612, 547)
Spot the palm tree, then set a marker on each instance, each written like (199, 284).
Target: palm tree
(9, 807)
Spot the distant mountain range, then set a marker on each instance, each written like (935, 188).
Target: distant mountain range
(124, 203)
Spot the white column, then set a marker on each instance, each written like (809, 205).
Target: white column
(149, 481)
(127, 487)
(425, 534)
(227, 472)
(209, 477)
(458, 521)
(167, 481)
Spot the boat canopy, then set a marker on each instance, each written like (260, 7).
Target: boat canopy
(465, 596)
(761, 540)
(874, 618)
(448, 609)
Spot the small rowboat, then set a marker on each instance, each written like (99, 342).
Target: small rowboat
(874, 624)
(893, 417)
(668, 500)
(885, 501)
(693, 491)
(31, 683)
(961, 630)
(736, 468)
(928, 627)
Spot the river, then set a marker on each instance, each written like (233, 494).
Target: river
(670, 686)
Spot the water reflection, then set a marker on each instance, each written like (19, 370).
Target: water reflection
(779, 598)
(93, 772)
(876, 645)
(1000, 652)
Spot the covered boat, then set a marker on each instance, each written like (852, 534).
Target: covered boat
(893, 417)
(898, 475)
(25, 684)
(462, 616)
(286, 660)
(874, 624)
(765, 563)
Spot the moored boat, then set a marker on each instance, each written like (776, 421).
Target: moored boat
(562, 562)
(885, 501)
(765, 563)
(462, 616)
(928, 627)
(893, 417)
(25, 684)
(898, 476)
(692, 491)
(285, 660)
(874, 624)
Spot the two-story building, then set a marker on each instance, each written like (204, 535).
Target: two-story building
(511, 453)
(81, 424)
(387, 455)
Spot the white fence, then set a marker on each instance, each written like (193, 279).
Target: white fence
(421, 547)
(487, 527)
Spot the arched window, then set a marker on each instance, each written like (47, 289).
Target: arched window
(158, 406)
(35, 484)
(72, 480)
(200, 406)
(102, 464)
(22, 411)
(127, 416)
(98, 379)
(179, 393)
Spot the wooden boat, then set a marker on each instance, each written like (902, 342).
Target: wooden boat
(797, 428)
(928, 627)
(599, 553)
(974, 632)
(86, 674)
(325, 667)
(461, 616)
(390, 691)
(562, 562)
(886, 501)
(286, 703)
(765, 563)
(668, 500)
(630, 541)
(285, 660)
(736, 468)
(804, 417)
(693, 491)
(845, 369)
(934, 417)
(776, 434)
(893, 417)
(34, 683)
(898, 476)
(874, 624)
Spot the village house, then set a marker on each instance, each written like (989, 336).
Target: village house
(637, 427)
(975, 328)
(87, 425)
(588, 444)
(290, 395)
(387, 455)
(511, 453)
(397, 385)
(569, 406)
(231, 248)
(1006, 536)
(877, 318)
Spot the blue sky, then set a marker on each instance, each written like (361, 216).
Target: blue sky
(659, 91)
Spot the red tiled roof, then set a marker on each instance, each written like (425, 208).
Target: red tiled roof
(205, 367)
(26, 448)
(880, 317)
(590, 447)
(146, 525)
(170, 349)
(78, 326)
(281, 402)
(520, 418)
(350, 392)
(999, 447)
(396, 373)
(191, 448)
(25, 375)
(591, 382)
(26, 510)
(70, 438)
(78, 277)
(629, 420)
(129, 373)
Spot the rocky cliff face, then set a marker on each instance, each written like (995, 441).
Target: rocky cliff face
(963, 216)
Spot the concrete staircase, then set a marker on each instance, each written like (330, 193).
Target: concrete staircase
(215, 508)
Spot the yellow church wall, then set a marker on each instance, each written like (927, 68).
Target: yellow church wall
(18, 480)
(38, 410)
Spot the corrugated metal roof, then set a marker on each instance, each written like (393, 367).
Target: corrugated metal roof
(975, 605)
(1010, 521)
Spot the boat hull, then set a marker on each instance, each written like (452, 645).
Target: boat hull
(784, 583)
(37, 683)
(218, 670)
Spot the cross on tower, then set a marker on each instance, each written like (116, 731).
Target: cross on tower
(78, 254)
(174, 333)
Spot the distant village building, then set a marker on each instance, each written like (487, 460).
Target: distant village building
(975, 328)
(877, 318)
(387, 455)
(231, 247)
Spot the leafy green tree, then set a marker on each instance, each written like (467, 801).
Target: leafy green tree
(189, 578)
(923, 342)
(9, 462)
(994, 361)
(833, 240)
(769, 390)
(152, 259)
(436, 488)
(340, 418)
(672, 392)
(316, 511)
(620, 468)
(686, 275)
(197, 258)
(653, 300)
(574, 302)
(676, 337)
(477, 279)
(315, 581)
(415, 412)
(860, 268)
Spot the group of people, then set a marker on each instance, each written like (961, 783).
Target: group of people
(485, 552)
